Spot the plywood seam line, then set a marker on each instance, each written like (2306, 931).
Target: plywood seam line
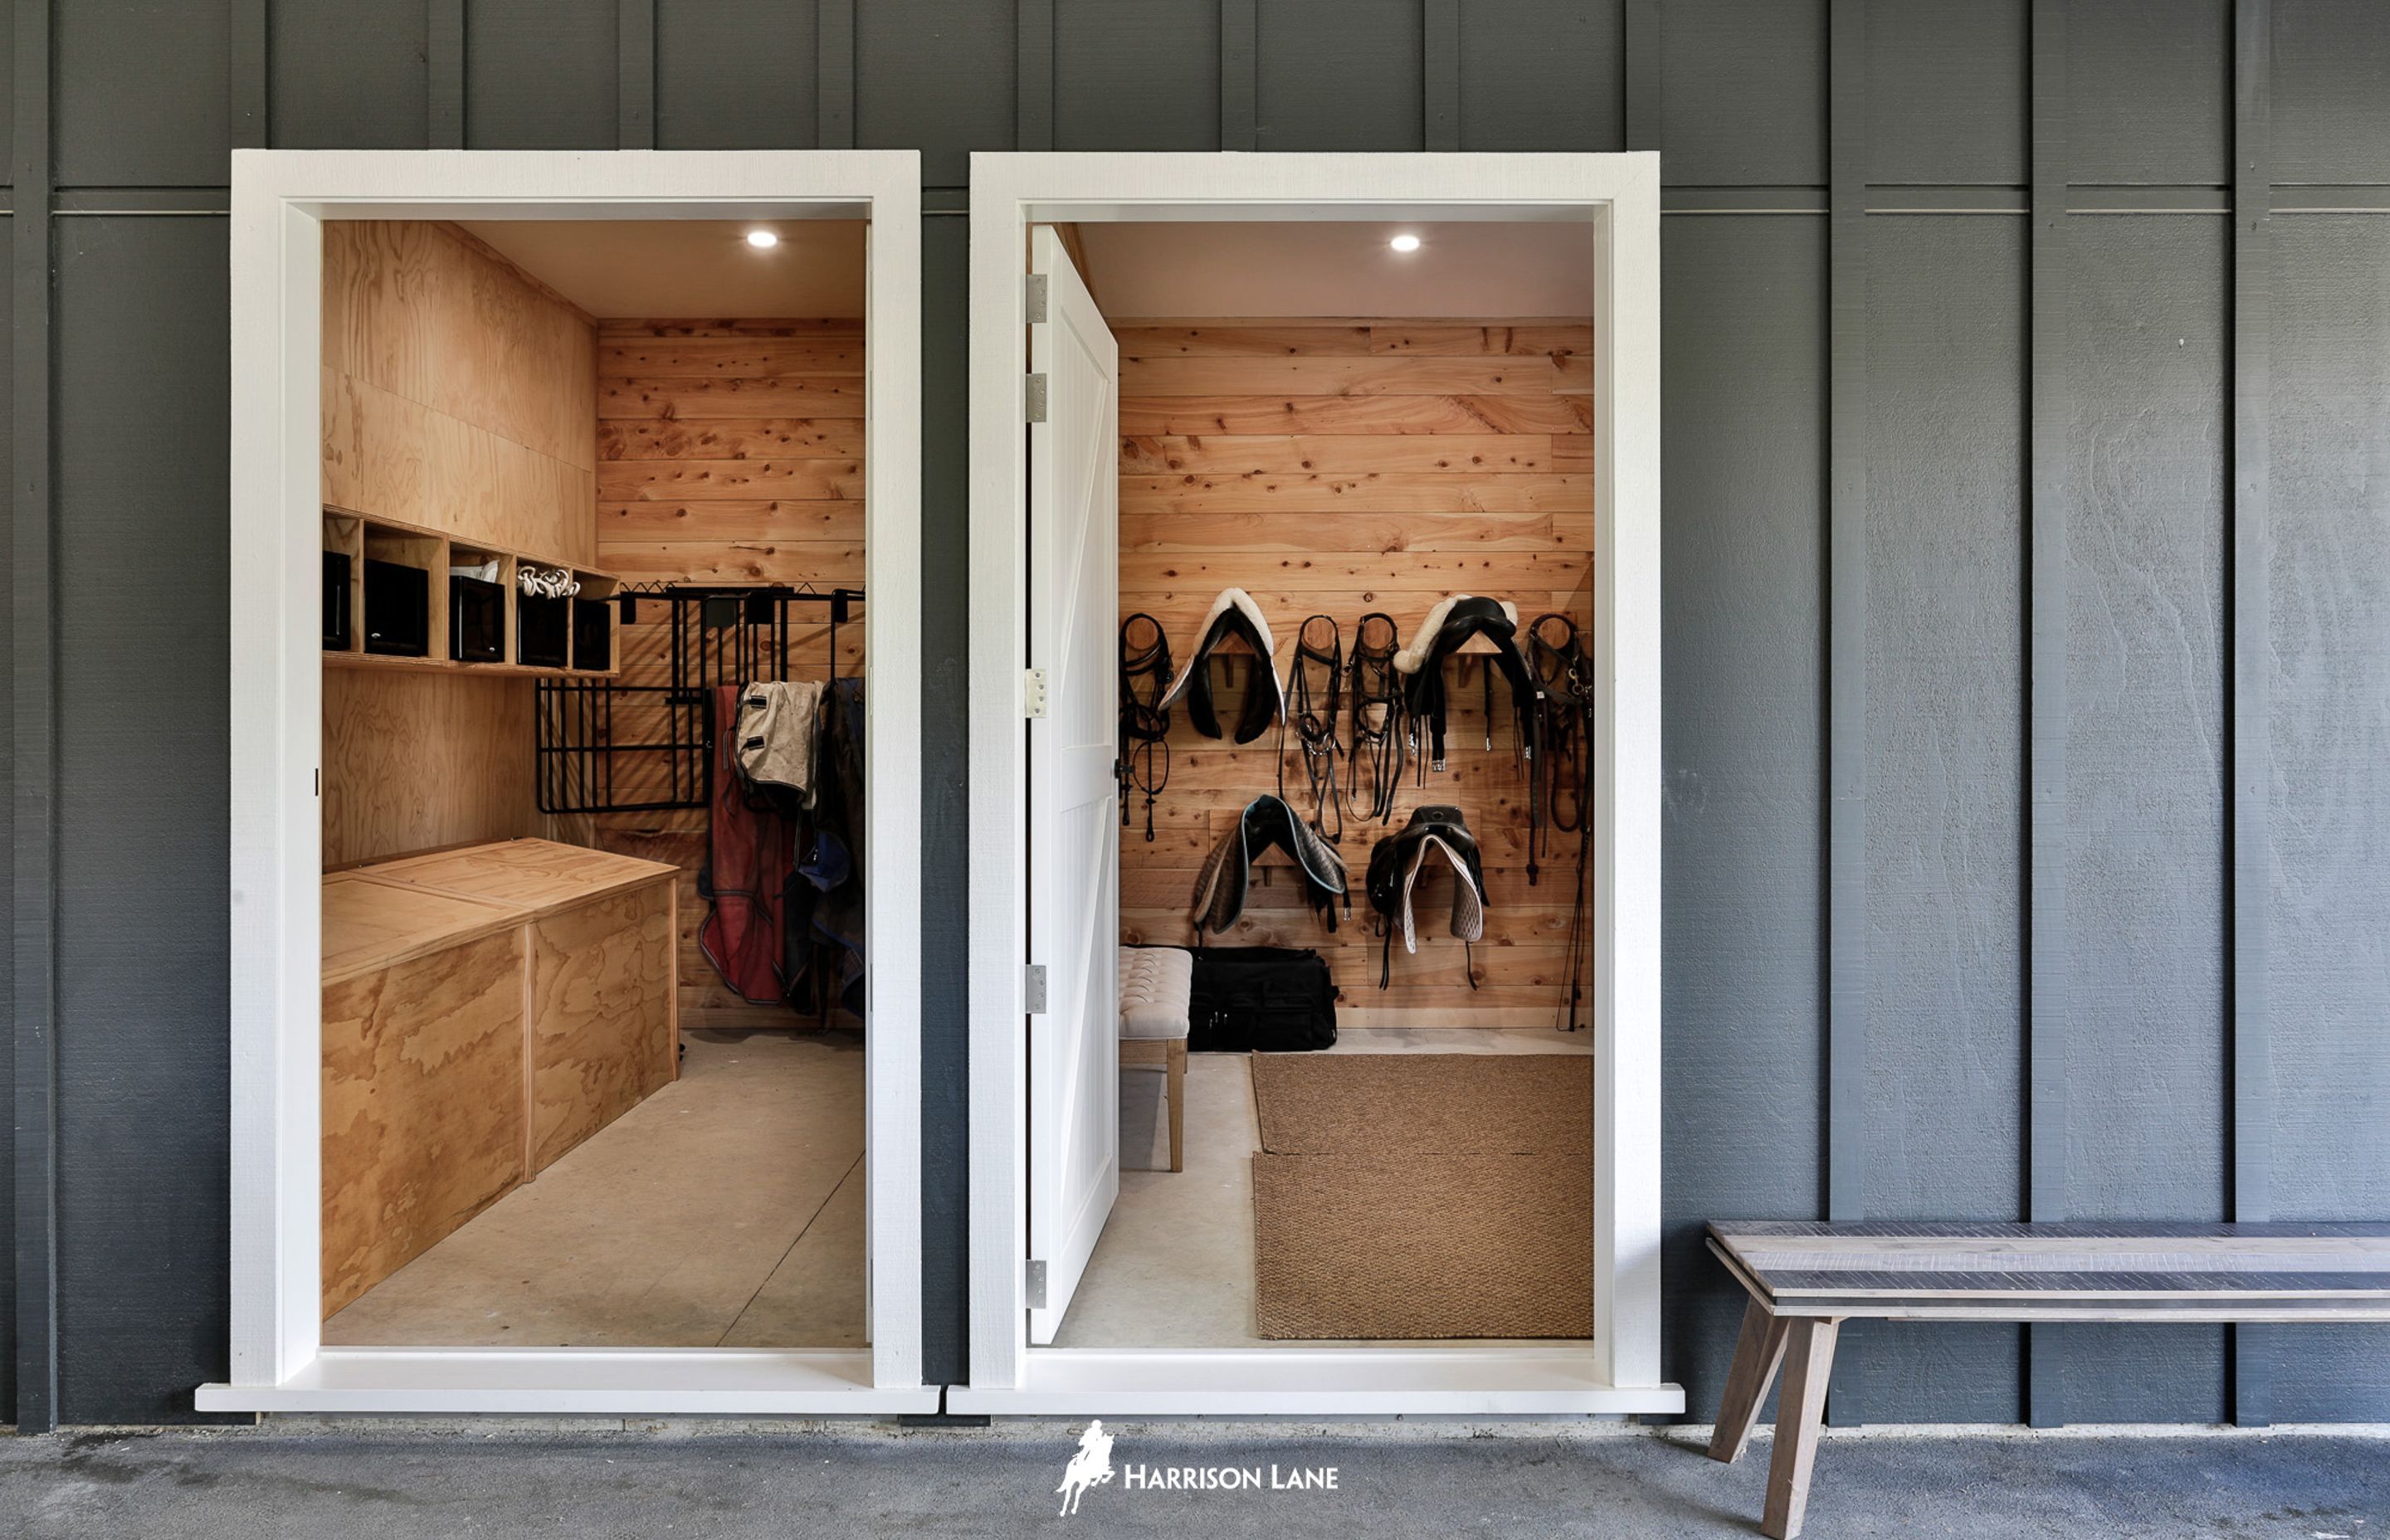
(1846, 769)
(2046, 803)
(34, 836)
(444, 74)
(834, 74)
(2252, 1108)
(635, 83)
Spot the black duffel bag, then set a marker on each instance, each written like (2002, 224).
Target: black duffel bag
(1266, 1000)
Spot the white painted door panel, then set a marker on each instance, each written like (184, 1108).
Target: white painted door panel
(1073, 798)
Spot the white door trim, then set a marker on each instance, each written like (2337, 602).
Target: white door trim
(279, 199)
(1617, 194)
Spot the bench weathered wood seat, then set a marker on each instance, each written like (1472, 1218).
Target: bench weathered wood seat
(1806, 1279)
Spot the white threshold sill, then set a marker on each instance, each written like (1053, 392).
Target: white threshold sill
(1456, 1381)
(563, 1382)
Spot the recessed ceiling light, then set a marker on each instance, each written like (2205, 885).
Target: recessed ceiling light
(763, 240)
(1405, 243)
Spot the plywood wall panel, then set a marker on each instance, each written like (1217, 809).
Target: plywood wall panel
(458, 391)
(1393, 507)
(412, 761)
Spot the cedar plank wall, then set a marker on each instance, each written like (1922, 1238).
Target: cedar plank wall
(1340, 467)
(729, 452)
(457, 397)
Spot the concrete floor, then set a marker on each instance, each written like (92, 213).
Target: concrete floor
(725, 1210)
(1174, 1268)
(1536, 1478)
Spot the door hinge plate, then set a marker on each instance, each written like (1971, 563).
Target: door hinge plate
(1033, 989)
(1033, 298)
(1033, 692)
(1036, 398)
(1032, 1283)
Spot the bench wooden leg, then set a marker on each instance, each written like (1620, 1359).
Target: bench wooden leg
(1808, 1360)
(1179, 1104)
(1757, 1354)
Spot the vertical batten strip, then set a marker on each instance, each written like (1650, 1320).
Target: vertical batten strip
(2047, 848)
(1641, 26)
(1846, 748)
(445, 74)
(1032, 102)
(2253, 759)
(635, 86)
(834, 74)
(1239, 55)
(1440, 35)
(245, 71)
(34, 876)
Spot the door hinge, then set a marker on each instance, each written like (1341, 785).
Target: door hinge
(1032, 1283)
(1033, 298)
(1033, 989)
(1037, 398)
(1033, 692)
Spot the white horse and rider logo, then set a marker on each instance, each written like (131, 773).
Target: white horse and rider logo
(1092, 1466)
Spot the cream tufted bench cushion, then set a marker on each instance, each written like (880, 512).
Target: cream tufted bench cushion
(1154, 983)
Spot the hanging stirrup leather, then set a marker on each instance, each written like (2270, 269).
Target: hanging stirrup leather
(1378, 733)
(1144, 722)
(1317, 671)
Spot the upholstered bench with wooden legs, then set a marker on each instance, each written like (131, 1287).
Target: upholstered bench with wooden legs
(1807, 1279)
(1154, 985)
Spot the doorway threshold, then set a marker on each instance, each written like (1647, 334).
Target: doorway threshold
(1441, 1382)
(565, 1381)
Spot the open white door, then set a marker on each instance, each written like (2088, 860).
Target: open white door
(1073, 798)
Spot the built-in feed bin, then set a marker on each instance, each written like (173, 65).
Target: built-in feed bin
(485, 1009)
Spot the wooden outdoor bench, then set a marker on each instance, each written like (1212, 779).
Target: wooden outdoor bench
(1807, 1279)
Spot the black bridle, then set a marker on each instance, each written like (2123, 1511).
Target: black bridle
(1315, 723)
(1377, 731)
(1144, 726)
(1566, 677)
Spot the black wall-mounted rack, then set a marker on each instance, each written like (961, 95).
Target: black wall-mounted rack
(720, 635)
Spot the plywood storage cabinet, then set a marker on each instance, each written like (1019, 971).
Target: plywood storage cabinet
(485, 1009)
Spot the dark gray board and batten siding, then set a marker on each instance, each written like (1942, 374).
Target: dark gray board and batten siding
(2186, 964)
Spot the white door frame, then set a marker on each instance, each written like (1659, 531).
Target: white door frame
(1619, 1370)
(279, 202)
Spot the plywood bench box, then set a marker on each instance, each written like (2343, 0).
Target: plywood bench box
(485, 1009)
(1806, 1279)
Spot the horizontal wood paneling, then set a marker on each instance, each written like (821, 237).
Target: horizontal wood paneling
(729, 451)
(1389, 508)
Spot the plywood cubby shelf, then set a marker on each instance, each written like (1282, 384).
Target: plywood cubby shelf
(362, 537)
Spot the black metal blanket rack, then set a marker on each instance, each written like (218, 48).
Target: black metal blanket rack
(720, 635)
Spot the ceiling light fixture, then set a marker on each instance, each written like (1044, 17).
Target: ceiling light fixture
(1405, 243)
(763, 241)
